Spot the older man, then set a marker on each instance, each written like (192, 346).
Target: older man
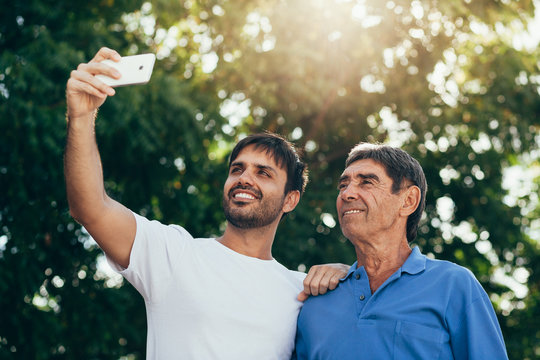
(395, 303)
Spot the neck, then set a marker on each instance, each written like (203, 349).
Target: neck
(255, 242)
(381, 259)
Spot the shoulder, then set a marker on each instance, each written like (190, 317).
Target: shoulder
(448, 269)
(452, 273)
(459, 280)
(300, 276)
(156, 228)
(295, 278)
(293, 274)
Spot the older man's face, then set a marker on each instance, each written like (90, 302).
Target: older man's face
(365, 204)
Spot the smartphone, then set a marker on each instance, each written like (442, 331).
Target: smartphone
(135, 69)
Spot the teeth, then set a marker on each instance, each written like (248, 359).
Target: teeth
(352, 212)
(244, 195)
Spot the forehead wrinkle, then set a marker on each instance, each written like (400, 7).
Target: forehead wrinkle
(344, 178)
(359, 175)
(367, 176)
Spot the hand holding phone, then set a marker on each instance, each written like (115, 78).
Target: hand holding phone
(135, 69)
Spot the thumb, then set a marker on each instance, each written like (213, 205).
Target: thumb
(302, 296)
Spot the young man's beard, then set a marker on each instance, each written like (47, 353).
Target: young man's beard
(261, 214)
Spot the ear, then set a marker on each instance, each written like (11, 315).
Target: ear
(410, 200)
(291, 200)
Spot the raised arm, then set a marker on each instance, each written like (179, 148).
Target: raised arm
(110, 223)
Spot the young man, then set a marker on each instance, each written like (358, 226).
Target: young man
(223, 298)
(395, 303)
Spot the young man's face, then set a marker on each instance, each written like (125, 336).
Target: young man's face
(365, 204)
(254, 193)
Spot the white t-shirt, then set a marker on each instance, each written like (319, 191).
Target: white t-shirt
(206, 301)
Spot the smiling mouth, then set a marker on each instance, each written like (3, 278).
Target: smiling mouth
(350, 212)
(242, 195)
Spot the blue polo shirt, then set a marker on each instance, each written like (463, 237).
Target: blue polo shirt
(428, 309)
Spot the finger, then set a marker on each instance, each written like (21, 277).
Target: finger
(334, 281)
(302, 296)
(330, 279)
(311, 283)
(99, 69)
(106, 53)
(91, 80)
(77, 87)
(307, 280)
(324, 282)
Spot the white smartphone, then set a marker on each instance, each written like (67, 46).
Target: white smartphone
(135, 69)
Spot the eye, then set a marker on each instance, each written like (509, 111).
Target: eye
(235, 170)
(264, 173)
(342, 186)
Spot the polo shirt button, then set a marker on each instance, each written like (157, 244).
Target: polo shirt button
(357, 276)
(362, 297)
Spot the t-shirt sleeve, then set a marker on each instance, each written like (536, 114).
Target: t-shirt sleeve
(475, 333)
(156, 252)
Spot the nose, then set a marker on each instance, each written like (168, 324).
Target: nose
(349, 193)
(245, 178)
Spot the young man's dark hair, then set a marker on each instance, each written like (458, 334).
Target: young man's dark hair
(284, 154)
(402, 168)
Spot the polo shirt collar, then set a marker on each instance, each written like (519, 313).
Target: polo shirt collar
(415, 263)
(351, 270)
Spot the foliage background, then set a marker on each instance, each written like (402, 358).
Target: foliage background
(449, 81)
